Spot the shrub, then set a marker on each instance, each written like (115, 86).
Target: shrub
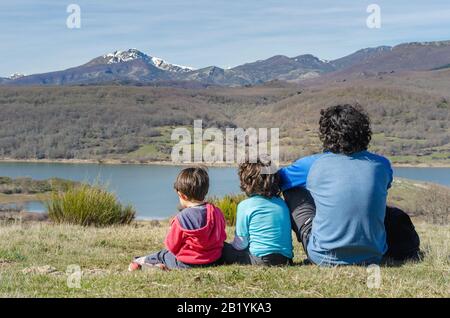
(88, 205)
(434, 204)
(228, 204)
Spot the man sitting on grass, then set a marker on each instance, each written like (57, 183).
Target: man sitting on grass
(338, 198)
(196, 234)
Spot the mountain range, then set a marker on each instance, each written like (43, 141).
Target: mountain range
(135, 67)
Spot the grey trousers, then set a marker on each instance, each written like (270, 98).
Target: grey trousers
(168, 258)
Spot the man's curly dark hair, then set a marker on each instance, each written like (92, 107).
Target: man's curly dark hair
(344, 129)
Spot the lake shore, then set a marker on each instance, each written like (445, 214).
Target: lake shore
(403, 194)
(180, 164)
(21, 198)
(23, 216)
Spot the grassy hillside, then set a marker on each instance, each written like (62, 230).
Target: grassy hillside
(409, 111)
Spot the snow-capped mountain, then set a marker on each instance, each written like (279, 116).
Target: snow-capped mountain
(135, 67)
(125, 56)
(129, 66)
(134, 54)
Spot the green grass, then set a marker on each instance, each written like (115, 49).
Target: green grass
(88, 205)
(145, 151)
(228, 205)
(155, 148)
(427, 160)
(26, 189)
(34, 258)
(104, 253)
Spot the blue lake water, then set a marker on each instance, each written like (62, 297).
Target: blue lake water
(33, 206)
(150, 188)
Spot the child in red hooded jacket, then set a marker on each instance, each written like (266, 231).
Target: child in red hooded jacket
(196, 234)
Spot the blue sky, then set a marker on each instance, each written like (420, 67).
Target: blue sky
(34, 37)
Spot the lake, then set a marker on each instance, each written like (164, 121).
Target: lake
(150, 187)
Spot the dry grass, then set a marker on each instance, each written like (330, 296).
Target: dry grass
(104, 253)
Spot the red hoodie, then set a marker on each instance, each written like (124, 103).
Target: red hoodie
(199, 246)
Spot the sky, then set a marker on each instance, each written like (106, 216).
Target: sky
(34, 37)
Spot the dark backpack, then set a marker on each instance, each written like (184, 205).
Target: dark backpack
(402, 239)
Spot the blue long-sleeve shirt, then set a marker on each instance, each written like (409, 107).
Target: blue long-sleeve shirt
(350, 193)
(264, 226)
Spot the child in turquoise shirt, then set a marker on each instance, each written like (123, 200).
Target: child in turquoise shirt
(263, 225)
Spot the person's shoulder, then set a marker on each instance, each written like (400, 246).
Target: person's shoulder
(379, 158)
(252, 202)
(278, 201)
(246, 202)
(310, 159)
(249, 200)
(246, 206)
(262, 201)
(304, 163)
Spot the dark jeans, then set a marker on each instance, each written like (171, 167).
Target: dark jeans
(303, 210)
(168, 258)
(230, 255)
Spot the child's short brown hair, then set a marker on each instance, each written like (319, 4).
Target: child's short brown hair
(254, 182)
(193, 182)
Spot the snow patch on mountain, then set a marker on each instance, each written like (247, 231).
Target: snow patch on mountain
(160, 63)
(134, 54)
(16, 76)
(124, 56)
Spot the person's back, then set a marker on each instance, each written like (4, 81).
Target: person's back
(350, 194)
(263, 224)
(197, 234)
(266, 223)
(338, 198)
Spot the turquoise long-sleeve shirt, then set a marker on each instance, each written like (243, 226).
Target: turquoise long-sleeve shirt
(264, 226)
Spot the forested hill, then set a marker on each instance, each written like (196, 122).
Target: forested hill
(409, 110)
